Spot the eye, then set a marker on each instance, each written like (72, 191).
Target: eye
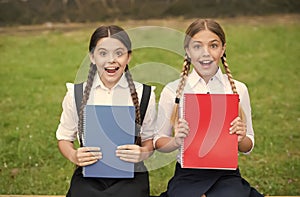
(197, 46)
(102, 53)
(214, 45)
(119, 53)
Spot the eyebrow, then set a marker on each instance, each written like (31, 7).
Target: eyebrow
(114, 49)
(196, 41)
(215, 41)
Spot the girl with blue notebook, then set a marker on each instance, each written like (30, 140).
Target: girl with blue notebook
(109, 83)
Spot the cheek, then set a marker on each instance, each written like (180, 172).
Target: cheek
(194, 55)
(123, 61)
(99, 61)
(216, 55)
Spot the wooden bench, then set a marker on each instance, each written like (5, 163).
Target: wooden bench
(64, 196)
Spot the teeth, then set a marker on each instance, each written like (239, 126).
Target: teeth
(117, 68)
(206, 62)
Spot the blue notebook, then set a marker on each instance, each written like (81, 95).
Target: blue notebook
(108, 127)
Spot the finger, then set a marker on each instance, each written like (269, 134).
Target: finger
(128, 147)
(238, 129)
(86, 163)
(241, 132)
(88, 149)
(89, 158)
(93, 149)
(84, 160)
(88, 154)
(184, 127)
(182, 130)
(181, 135)
(182, 121)
(183, 124)
(129, 153)
(232, 129)
(126, 156)
(131, 160)
(237, 119)
(237, 124)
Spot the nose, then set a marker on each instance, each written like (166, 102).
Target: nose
(205, 52)
(111, 58)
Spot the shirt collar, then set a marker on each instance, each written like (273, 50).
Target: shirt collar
(220, 76)
(194, 78)
(98, 83)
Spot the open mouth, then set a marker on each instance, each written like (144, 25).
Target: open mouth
(206, 62)
(111, 69)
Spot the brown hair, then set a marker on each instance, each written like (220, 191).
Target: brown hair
(197, 26)
(119, 34)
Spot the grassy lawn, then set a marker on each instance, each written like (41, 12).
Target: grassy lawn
(36, 65)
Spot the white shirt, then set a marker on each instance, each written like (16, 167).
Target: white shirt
(218, 84)
(100, 95)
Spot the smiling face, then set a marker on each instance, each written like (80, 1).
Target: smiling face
(205, 49)
(111, 57)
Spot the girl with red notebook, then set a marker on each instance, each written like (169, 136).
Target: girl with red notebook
(205, 46)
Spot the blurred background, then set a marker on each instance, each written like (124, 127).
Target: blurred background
(27, 12)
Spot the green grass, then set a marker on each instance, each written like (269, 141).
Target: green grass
(36, 66)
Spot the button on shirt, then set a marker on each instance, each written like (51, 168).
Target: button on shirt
(218, 84)
(100, 95)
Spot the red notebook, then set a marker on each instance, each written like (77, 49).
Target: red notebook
(209, 144)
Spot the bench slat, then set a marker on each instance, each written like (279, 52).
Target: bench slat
(64, 196)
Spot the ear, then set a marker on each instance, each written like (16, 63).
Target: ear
(92, 59)
(223, 49)
(129, 58)
(187, 51)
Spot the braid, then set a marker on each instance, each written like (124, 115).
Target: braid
(85, 98)
(135, 101)
(228, 73)
(233, 87)
(183, 76)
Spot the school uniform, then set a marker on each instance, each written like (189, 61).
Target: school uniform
(195, 182)
(67, 130)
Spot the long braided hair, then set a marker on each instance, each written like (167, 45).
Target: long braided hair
(120, 34)
(197, 26)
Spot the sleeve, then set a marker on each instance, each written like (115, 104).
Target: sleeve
(67, 128)
(147, 130)
(165, 108)
(246, 106)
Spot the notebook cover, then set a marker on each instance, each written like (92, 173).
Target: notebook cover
(209, 144)
(108, 127)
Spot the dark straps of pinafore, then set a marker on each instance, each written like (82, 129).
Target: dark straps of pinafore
(78, 93)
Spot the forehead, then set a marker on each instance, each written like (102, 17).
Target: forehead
(109, 43)
(205, 36)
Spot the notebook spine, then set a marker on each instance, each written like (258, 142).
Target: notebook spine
(84, 126)
(182, 143)
(83, 135)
